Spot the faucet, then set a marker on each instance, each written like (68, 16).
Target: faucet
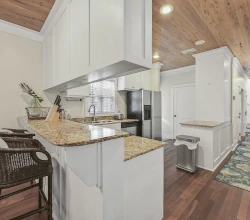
(94, 111)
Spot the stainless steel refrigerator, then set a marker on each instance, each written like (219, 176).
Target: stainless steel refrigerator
(145, 106)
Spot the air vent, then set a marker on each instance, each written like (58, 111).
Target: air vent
(192, 50)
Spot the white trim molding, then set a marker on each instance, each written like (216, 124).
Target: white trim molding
(55, 13)
(157, 65)
(179, 71)
(20, 31)
(222, 50)
(238, 66)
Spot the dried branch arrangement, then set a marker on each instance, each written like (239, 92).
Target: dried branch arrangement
(36, 102)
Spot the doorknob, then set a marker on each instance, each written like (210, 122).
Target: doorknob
(174, 116)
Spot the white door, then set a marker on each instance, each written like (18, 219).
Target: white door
(184, 106)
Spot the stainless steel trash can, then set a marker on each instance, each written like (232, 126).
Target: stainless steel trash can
(187, 152)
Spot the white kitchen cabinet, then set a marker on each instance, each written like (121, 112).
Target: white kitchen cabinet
(79, 37)
(62, 67)
(116, 126)
(135, 81)
(106, 32)
(129, 82)
(214, 144)
(48, 61)
(138, 31)
(96, 40)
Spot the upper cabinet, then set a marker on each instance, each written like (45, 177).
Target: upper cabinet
(96, 40)
(62, 31)
(135, 81)
(48, 61)
(79, 37)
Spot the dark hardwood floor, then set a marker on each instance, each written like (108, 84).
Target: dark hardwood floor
(187, 196)
(199, 196)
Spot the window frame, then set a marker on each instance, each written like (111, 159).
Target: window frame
(87, 102)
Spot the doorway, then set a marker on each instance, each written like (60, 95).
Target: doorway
(240, 121)
(183, 106)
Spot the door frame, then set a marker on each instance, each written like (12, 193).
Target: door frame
(172, 102)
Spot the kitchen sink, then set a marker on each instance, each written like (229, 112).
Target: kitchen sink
(100, 122)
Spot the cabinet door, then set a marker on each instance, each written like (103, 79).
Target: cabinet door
(48, 61)
(138, 32)
(62, 48)
(106, 32)
(133, 81)
(79, 38)
(130, 82)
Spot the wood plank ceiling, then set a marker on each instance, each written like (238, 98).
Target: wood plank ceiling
(218, 22)
(27, 13)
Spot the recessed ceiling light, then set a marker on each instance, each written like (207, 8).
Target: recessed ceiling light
(156, 56)
(200, 42)
(192, 50)
(166, 9)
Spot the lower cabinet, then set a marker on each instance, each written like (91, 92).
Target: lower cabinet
(214, 144)
(116, 126)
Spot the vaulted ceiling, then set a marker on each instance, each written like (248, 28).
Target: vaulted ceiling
(218, 22)
(27, 13)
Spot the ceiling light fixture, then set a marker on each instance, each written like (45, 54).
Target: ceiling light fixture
(199, 42)
(156, 56)
(192, 50)
(166, 9)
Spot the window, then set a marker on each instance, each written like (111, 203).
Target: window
(103, 97)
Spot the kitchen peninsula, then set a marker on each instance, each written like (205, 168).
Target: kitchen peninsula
(101, 173)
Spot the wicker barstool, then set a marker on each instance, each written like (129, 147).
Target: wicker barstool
(20, 163)
(16, 133)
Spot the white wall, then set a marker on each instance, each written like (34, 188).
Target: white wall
(21, 61)
(170, 78)
(122, 102)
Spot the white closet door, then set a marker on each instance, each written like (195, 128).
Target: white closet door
(184, 106)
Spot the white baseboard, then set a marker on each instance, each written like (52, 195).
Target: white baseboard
(234, 145)
(212, 170)
(204, 168)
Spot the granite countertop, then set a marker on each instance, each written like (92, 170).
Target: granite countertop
(208, 124)
(112, 120)
(135, 146)
(69, 133)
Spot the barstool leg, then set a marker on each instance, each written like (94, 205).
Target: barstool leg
(50, 196)
(39, 194)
